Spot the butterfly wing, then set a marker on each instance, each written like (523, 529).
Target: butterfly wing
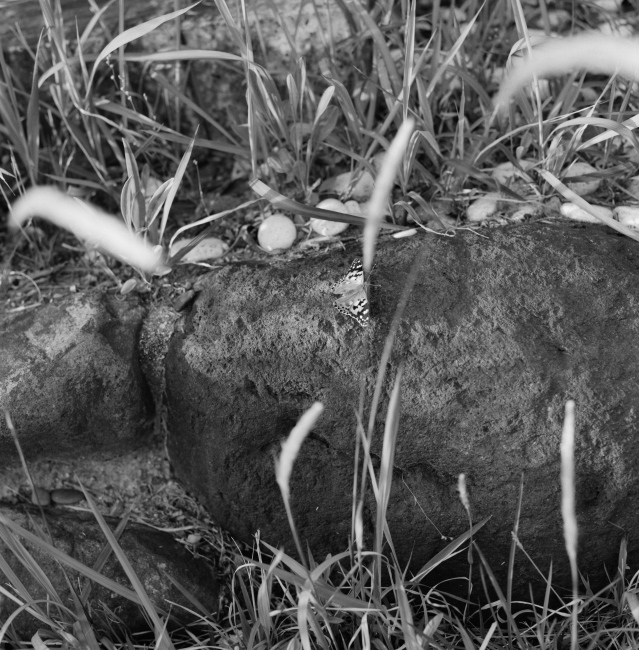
(353, 301)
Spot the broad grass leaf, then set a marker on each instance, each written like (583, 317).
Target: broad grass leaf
(131, 35)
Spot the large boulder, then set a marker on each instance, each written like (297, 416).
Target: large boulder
(71, 380)
(501, 329)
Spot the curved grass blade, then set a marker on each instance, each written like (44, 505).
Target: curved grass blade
(283, 203)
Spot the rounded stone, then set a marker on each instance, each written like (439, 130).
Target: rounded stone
(483, 208)
(276, 233)
(41, 496)
(328, 228)
(574, 212)
(66, 496)
(628, 215)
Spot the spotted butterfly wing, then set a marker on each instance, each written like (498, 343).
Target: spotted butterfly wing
(353, 299)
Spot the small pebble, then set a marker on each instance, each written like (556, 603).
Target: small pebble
(330, 228)
(481, 209)
(353, 207)
(41, 496)
(575, 213)
(628, 215)
(66, 497)
(276, 233)
(585, 187)
(210, 248)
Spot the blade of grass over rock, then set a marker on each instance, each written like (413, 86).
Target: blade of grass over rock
(32, 608)
(568, 515)
(450, 549)
(388, 346)
(284, 203)
(322, 589)
(513, 549)
(284, 464)
(387, 462)
(104, 555)
(17, 585)
(382, 191)
(162, 640)
(512, 623)
(70, 562)
(568, 194)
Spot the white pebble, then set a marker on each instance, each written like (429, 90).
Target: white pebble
(628, 215)
(329, 228)
(574, 212)
(210, 248)
(276, 233)
(353, 207)
(585, 187)
(483, 208)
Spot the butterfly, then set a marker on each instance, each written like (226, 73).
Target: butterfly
(354, 299)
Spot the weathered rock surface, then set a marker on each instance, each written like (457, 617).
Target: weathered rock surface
(154, 556)
(501, 329)
(71, 380)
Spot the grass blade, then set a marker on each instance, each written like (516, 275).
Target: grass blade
(132, 34)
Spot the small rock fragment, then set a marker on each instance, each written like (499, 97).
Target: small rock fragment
(66, 496)
(481, 209)
(41, 496)
(210, 248)
(574, 212)
(628, 215)
(276, 233)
